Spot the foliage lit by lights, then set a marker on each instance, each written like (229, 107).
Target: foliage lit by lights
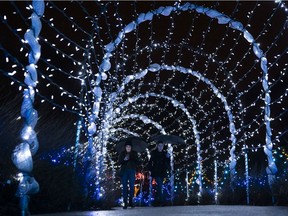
(213, 74)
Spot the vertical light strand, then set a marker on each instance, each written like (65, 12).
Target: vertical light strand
(247, 174)
(22, 154)
(172, 177)
(216, 181)
(187, 184)
(77, 144)
(271, 169)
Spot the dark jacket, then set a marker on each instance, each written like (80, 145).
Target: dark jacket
(132, 163)
(159, 164)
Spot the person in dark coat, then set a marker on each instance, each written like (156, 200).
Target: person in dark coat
(158, 166)
(128, 160)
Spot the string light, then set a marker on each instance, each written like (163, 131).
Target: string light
(203, 93)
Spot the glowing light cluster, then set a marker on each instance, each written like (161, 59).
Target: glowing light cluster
(158, 70)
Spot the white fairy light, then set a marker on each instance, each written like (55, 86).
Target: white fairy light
(226, 71)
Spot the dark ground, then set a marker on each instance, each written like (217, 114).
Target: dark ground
(211, 210)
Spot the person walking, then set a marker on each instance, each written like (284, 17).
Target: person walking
(158, 166)
(128, 160)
